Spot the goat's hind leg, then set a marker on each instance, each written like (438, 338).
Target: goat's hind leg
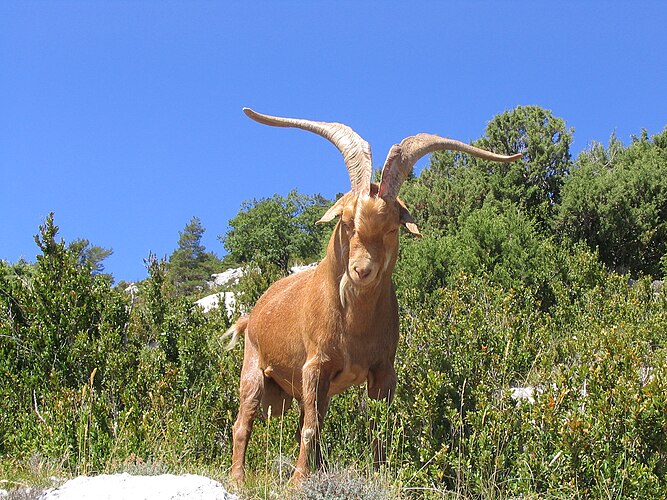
(250, 401)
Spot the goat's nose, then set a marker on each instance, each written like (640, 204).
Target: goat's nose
(362, 272)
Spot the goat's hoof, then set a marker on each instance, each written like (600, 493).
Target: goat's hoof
(297, 478)
(238, 478)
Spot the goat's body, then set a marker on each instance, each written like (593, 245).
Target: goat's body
(301, 339)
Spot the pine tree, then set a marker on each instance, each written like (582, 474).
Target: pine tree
(190, 265)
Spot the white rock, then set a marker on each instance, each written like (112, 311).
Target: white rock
(523, 394)
(213, 302)
(298, 269)
(229, 277)
(127, 487)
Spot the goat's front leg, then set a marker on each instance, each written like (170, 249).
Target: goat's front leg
(315, 402)
(318, 460)
(381, 386)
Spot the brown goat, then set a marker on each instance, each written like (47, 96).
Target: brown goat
(314, 334)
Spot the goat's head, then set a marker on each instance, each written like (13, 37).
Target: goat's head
(367, 235)
(370, 215)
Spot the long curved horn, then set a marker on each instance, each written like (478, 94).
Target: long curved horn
(403, 156)
(356, 152)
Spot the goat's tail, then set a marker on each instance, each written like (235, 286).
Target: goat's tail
(235, 331)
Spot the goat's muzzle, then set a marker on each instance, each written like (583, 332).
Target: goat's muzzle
(363, 272)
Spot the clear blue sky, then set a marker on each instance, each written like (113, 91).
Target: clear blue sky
(124, 117)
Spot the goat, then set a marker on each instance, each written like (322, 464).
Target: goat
(314, 334)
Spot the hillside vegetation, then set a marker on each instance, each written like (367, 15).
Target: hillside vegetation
(532, 360)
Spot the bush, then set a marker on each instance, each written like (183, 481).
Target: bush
(499, 242)
(89, 379)
(616, 202)
(595, 364)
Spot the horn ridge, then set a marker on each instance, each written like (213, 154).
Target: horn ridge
(355, 150)
(403, 156)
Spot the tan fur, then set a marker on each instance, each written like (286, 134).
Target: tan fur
(314, 334)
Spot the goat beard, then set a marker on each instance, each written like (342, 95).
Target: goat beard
(346, 286)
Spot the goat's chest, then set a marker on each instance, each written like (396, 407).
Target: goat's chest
(351, 360)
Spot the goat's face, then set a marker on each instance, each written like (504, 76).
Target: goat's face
(371, 228)
(367, 235)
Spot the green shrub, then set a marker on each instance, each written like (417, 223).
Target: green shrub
(596, 363)
(89, 380)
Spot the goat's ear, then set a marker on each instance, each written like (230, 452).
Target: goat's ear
(407, 220)
(333, 212)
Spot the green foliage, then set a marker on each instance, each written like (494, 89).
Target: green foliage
(616, 202)
(277, 231)
(534, 182)
(510, 288)
(464, 183)
(498, 242)
(63, 321)
(89, 254)
(89, 379)
(190, 265)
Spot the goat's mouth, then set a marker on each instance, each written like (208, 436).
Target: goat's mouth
(362, 275)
